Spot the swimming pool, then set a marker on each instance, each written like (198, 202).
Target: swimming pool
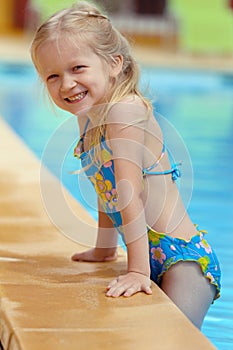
(200, 106)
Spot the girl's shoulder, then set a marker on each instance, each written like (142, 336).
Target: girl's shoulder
(133, 100)
(129, 110)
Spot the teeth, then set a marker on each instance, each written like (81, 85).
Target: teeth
(77, 97)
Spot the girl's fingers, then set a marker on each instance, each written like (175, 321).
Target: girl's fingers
(116, 288)
(112, 284)
(116, 291)
(146, 289)
(119, 289)
(127, 286)
(130, 291)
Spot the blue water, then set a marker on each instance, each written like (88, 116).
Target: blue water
(200, 106)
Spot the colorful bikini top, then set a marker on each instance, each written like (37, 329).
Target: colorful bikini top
(102, 174)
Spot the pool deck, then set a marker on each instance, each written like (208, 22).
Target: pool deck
(48, 301)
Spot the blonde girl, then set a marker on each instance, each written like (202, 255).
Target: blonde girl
(89, 71)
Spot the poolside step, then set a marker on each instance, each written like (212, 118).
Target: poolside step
(49, 302)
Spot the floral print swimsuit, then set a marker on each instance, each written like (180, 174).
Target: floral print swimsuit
(165, 250)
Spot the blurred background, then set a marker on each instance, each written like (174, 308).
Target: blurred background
(194, 26)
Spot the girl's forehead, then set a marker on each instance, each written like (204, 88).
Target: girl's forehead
(64, 43)
(63, 51)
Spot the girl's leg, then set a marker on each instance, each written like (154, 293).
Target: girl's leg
(186, 286)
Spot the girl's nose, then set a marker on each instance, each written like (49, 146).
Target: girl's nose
(68, 82)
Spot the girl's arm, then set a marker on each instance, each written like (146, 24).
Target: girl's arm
(127, 144)
(137, 278)
(106, 243)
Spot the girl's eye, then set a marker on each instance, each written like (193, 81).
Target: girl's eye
(78, 68)
(52, 76)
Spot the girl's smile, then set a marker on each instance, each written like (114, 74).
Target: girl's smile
(76, 98)
(75, 76)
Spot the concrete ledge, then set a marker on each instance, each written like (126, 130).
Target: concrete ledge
(49, 302)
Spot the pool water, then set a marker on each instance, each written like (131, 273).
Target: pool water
(200, 106)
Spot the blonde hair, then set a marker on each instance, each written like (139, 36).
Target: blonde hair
(85, 21)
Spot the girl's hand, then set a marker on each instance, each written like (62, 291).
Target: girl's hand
(96, 255)
(129, 284)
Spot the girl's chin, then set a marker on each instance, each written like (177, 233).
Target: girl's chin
(75, 108)
(80, 109)
(82, 112)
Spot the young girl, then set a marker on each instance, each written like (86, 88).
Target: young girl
(89, 71)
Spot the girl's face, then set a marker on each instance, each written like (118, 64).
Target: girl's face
(76, 78)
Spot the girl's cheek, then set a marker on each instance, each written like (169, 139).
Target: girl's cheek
(52, 92)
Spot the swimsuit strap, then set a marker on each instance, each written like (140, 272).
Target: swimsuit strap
(157, 161)
(85, 129)
(79, 147)
(174, 171)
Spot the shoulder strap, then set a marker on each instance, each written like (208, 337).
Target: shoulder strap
(85, 127)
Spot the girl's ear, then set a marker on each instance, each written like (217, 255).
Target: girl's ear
(116, 66)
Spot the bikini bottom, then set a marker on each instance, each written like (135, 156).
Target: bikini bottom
(166, 251)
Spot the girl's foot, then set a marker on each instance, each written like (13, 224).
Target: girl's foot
(96, 255)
